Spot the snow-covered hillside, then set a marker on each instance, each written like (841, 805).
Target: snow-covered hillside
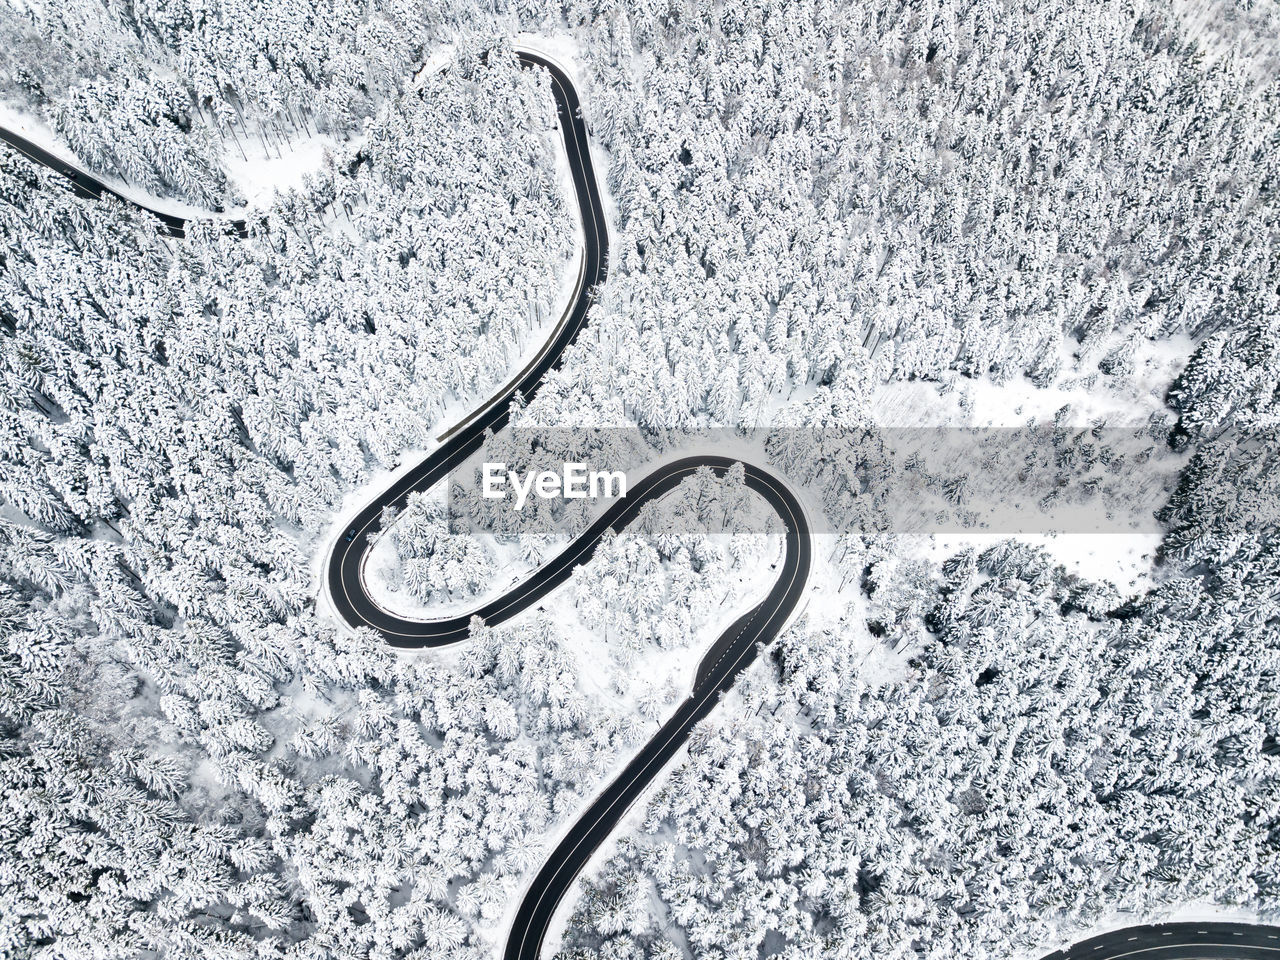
(827, 222)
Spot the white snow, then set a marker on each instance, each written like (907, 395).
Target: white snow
(1243, 33)
(1121, 559)
(597, 677)
(355, 500)
(440, 58)
(258, 178)
(630, 824)
(457, 411)
(1119, 401)
(261, 176)
(676, 669)
(562, 50)
(381, 574)
(567, 54)
(602, 672)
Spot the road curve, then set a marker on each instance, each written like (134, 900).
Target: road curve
(735, 650)
(1179, 941)
(732, 652)
(90, 187)
(344, 574)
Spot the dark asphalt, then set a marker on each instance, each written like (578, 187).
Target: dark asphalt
(729, 655)
(345, 568)
(734, 651)
(1179, 941)
(91, 188)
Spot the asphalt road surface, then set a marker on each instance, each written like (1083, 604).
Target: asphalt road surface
(1179, 941)
(89, 187)
(729, 655)
(732, 652)
(345, 571)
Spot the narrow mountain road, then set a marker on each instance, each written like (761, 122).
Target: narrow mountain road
(735, 649)
(90, 187)
(346, 563)
(1179, 941)
(731, 653)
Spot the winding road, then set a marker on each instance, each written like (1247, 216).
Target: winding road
(1179, 941)
(89, 187)
(732, 652)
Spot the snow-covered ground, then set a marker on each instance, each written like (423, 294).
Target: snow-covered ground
(258, 175)
(1122, 559)
(671, 671)
(1117, 401)
(629, 825)
(262, 173)
(456, 411)
(1245, 32)
(382, 578)
(567, 271)
(566, 53)
(742, 586)
(440, 58)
